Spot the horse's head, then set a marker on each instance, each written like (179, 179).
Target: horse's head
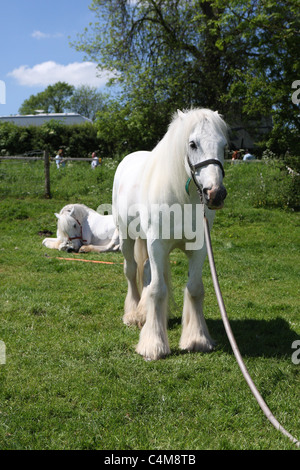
(205, 158)
(69, 231)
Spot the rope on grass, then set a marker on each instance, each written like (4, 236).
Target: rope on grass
(87, 260)
(94, 261)
(234, 346)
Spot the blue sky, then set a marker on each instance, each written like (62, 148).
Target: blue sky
(35, 50)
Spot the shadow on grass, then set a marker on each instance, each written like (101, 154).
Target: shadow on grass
(254, 338)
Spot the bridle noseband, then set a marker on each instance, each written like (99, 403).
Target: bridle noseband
(80, 237)
(193, 168)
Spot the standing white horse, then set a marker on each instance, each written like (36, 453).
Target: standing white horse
(148, 187)
(82, 229)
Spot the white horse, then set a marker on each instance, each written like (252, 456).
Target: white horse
(82, 229)
(184, 171)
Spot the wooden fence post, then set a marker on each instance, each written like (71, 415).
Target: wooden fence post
(47, 174)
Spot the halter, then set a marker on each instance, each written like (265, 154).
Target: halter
(193, 168)
(80, 237)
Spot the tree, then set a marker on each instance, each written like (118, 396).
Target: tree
(264, 84)
(87, 101)
(239, 57)
(54, 99)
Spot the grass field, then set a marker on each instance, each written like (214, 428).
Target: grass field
(72, 379)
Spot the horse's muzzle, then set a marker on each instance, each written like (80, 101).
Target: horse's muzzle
(214, 197)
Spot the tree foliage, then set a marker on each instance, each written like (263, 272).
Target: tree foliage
(62, 97)
(239, 57)
(87, 101)
(54, 99)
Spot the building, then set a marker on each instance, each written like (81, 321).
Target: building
(248, 134)
(40, 119)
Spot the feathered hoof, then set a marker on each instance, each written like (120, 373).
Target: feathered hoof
(204, 345)
(135, 317)
(153, 352)
(131, 319)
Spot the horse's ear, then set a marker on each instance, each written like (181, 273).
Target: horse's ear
(72, 211)
(180, 113)
(56, 215)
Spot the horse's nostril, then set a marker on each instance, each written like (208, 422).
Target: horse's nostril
(207, 194)
(215, 196)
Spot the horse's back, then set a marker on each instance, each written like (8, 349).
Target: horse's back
(133, 162)
(127, 184)
(102, 227)
(128, 175)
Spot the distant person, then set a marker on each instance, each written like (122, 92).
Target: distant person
(235, 156)
(60, 163)
(248, 156)
(96, 161)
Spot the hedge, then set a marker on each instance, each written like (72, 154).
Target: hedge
(78, 140)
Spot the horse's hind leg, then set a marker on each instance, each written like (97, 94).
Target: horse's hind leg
(195, 335)
(130, 269)
(153, 343)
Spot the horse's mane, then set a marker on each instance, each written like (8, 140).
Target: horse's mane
(166, 173)
(80, 212)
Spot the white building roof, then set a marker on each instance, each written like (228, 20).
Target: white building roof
(39, 119)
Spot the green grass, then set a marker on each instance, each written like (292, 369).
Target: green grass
(72, 379)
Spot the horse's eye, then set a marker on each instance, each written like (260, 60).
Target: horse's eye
(193, 145)
(74, 225)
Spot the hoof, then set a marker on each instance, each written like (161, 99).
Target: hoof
(204, 346)
(153, 352)
(131, 319)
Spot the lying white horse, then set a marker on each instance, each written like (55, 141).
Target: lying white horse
(82, 229)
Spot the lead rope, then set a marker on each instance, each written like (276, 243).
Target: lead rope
(232, 341)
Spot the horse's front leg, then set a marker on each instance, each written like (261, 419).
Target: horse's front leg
(195, 335)
(153, 343)
(53, 243)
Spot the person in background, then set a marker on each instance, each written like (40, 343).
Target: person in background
(235, 156)
(248, 156)
(60, 163)
(96, 161)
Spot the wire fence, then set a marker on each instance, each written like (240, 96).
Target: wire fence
(39, 155)
(45, 180)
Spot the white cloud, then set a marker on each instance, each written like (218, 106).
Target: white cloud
(41, 35)
(48, 73)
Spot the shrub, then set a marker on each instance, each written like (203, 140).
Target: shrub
(278, 185)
